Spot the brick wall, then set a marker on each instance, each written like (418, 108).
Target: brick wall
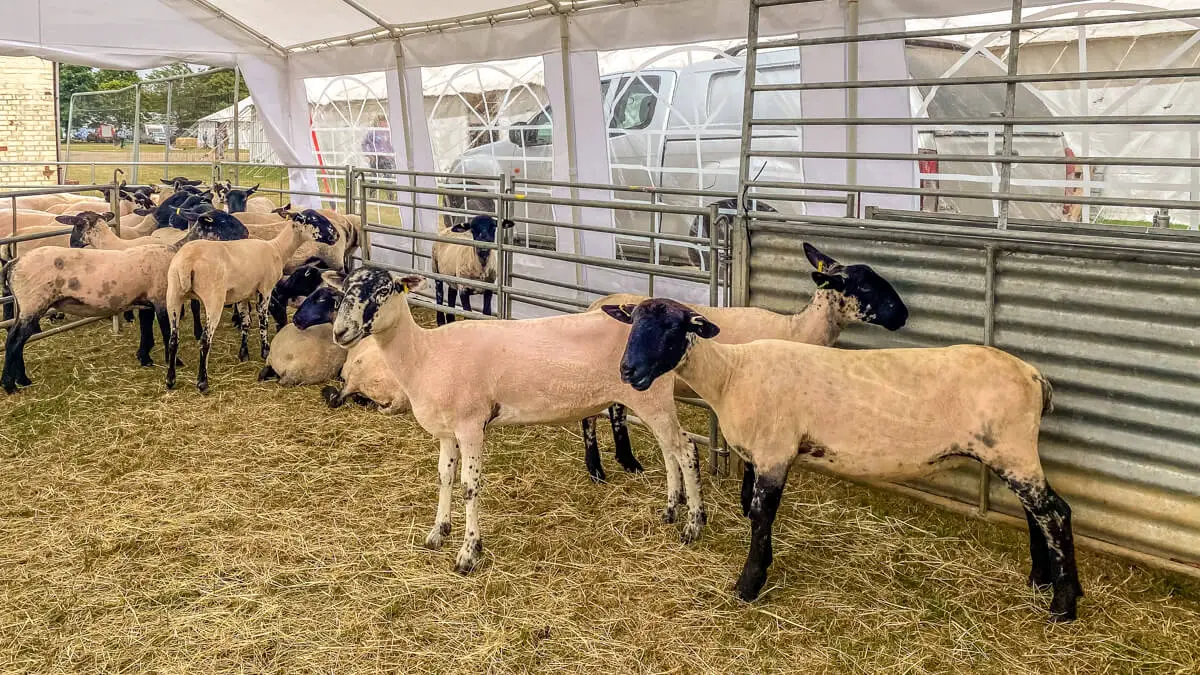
(27, 129)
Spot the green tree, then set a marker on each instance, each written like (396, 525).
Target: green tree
(72, 79)
(107, 80)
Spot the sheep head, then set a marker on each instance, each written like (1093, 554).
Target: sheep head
(315, 226)
(482, 229)
(863, 294)
(321, 306)
(84, 225)
(372, 303)
(663, 332)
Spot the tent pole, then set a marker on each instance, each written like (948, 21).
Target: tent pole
(237, 122)
(564, 31)
(852, 93)
(1010, 104)
(406, 130)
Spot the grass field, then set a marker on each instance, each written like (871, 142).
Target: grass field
(255, 530)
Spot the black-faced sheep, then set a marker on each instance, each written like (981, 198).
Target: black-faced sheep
(466, 261)
(882, 414)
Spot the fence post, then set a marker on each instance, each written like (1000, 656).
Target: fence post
(350, 191)
(1010, 103)
(70, 128)
(137, 132)
(365, 237)
(167, 147)
(114, 203)
(237, 122)
(989, 338)
(502, 208)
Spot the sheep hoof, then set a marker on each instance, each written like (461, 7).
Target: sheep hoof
(470, 557)
(1038, 581)
(243, 355)
(748, 589)
(597, 474)
(266, 373)
(170, 384)
(669, 514)
(145, 360)
(332, 396)
(691, 531)
(23, 380)
(433, 540)
(630, 464)
(203, 387)
(10, 387)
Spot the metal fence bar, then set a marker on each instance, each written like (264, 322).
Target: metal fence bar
(1138, 74)
(1065, 120)
(1010, 105)
(1181, 162)
(553, 201)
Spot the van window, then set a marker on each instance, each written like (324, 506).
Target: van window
(726, 91)
(635, 108)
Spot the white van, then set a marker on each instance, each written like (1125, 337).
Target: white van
(681, 128)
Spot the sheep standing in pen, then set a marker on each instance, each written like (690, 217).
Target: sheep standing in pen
(467, 262)
(845, 294)
(221, 273)
(537, 371)
(87, 282)
(882, 414)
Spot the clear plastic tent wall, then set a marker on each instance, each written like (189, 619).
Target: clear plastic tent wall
(280, 46)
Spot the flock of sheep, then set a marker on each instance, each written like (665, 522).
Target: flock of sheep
(782, 394)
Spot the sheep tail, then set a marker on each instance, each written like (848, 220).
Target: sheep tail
(1047, 394)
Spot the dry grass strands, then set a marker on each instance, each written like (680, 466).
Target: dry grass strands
(256, 530)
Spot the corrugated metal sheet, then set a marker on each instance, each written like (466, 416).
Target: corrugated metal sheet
(1117, 339)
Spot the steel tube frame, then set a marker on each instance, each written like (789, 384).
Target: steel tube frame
(1065, 121)
(1084, 76)
(1010, 105)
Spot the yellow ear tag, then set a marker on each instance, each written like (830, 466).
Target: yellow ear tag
(177, 209)
(404, 287)
(820, 265)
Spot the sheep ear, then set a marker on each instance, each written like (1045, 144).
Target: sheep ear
(253, 189)
(829, 281)
(164, 181)
(333, 279)
(67, 220)
(461, 227)
(408, 284)
(507, 224)
(108, 215)
(622, 313)
(703, 327)
(820, 261)
(142, 212)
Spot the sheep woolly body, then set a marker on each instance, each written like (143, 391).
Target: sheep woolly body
(306, 356)
(90, 282)
(536, 371)
(260, 205)
(367, 373)
(348, 226)
(127, 207)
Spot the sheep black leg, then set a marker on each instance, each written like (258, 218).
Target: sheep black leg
(439, 293)
(1040, 575)
(591, 450)
(1052, 516)
(172, 344)
(465, 295)
(278, 309)
(202, 373)
(197, 329)
(451, 298)
(14, 354)
(146, 337)
(242, 323)
(487, 303)
(164, 327)
(624, 454)
(747, 488)
(128, 316)
(264, 347)
(764, 504)
(267, 373)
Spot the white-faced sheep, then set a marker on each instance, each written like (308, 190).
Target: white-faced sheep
(882, 414)
(466, 261)
(536, 371)
(85, 282)
(221, 273)
(845, 294)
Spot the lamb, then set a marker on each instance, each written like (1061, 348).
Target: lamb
(883, 414)
(844, 295)
(535, 371)
(467, 262)
(220, 273)
(86, 282)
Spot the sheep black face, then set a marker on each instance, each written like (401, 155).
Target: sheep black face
(318, 226)
(214, 225)
(662, 332)
(878, 302)
(83, 226)
(181, 182)
(367, 293)
(235, 200)
(321, 306)
(482, 228)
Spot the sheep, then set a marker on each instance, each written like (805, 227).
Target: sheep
(90, 231)
(220, 273)
(844, 295)
(467, 262)
(23, 220)
(86, 282)
(366, 377)
(883, 414)
(535, 371)
(303, 352)
(297, 285)
(334, 256)
(35, 202)
(176, 185)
